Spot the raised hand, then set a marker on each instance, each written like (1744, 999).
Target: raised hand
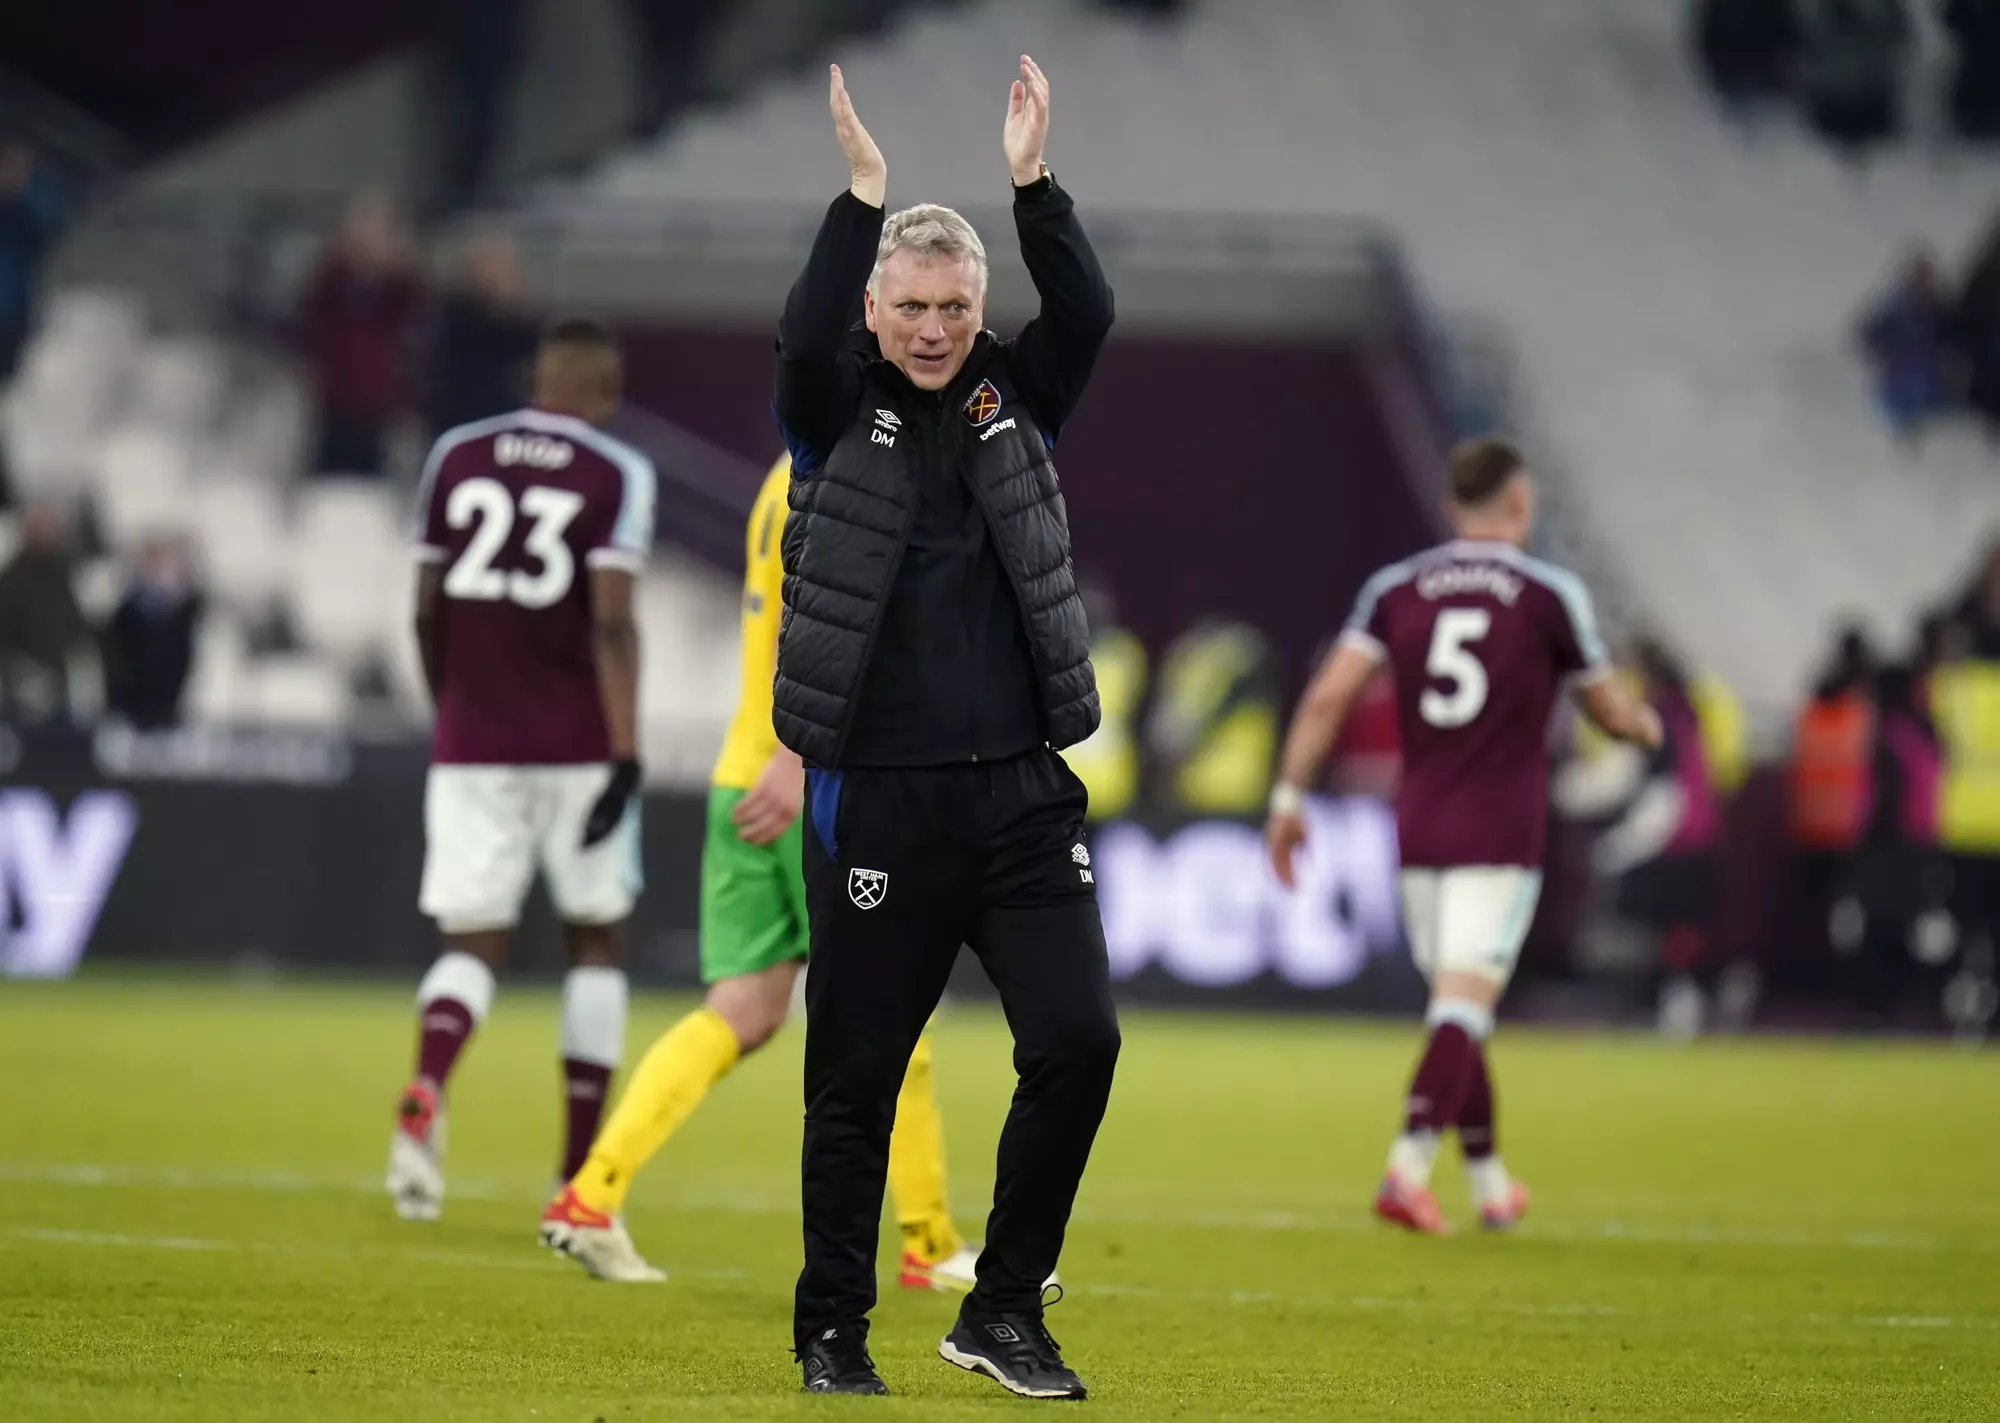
(864, 160)
(1027, 128)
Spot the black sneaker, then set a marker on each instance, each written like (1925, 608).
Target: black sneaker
(1014, 1350)
(836, 1361)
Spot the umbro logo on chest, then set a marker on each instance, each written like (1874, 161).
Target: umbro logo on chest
(887, 423)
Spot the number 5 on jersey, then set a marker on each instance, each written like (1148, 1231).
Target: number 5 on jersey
(487, 508)
(1451, 660)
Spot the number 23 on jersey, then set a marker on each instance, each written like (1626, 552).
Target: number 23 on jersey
(488, 509)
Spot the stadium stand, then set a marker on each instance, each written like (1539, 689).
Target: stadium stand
(193, 438)
(1679, 301)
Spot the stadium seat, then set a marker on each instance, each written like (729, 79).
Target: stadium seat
(102, 319)
(99, 585)
(346, 608)
(178, 383)
(295, 690)
(217, 689)
(143, 484)
(266, 428)
(245, 546)
(351, 519)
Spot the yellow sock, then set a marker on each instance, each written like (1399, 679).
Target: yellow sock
(916, 1164)
(669, 1083)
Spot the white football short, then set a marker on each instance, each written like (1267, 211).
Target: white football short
(487, 829)
(1469, 918)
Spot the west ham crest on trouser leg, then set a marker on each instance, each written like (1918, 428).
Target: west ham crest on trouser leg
(867, 888)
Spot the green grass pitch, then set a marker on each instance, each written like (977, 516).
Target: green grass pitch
(190, 1228)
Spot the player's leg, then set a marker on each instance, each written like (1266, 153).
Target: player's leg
(752, 938)
(595, 1005)
(935, 1255)
(594, 891)
(1482, 919)
(1405, 1196)
(477, 864)
(739, 1014)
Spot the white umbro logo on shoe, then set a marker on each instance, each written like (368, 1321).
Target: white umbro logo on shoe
(1005, 1333)
(867, 888)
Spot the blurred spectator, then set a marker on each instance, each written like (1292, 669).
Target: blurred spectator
(31, 211)
(1851, 68)
(674, 41)
(1906, 334)
(43, 634)
(359, 316)
(482, 341)
(1974, 26)
(1368, 759)
(1662, 851)
(1978, 327)
(149, 645)
(1746, 49)
(1891, 920)
(1107, 761)
(479, 50)
(1975, 617)
(1831, 743)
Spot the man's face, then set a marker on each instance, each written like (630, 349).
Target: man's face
(925, 312)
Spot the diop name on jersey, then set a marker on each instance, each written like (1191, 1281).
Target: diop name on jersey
(1451, 578)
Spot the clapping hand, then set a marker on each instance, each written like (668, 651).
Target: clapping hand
(1027, 128)
(864, 160)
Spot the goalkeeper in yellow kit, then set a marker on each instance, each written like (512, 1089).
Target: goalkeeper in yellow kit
(753, 940)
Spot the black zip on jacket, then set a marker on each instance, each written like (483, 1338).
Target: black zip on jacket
(931, 610)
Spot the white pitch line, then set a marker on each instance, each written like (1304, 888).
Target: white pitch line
(125, 1242)
(1235, 1298)
(541, 1264)
(748, 1203)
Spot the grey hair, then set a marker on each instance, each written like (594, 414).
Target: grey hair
(929, 231)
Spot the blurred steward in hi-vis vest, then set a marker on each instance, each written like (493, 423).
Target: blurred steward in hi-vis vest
(1965, 701)
(1833, 740)
(1213, 729)
(1107, 761)
(1724, 734)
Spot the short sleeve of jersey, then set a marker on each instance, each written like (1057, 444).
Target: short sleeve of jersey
(427, 522)
(1579, 645)
(764, 578)
(1364, 630)
(628, 538)
(764, 563)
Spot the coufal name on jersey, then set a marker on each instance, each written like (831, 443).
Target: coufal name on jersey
(1452, 578)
